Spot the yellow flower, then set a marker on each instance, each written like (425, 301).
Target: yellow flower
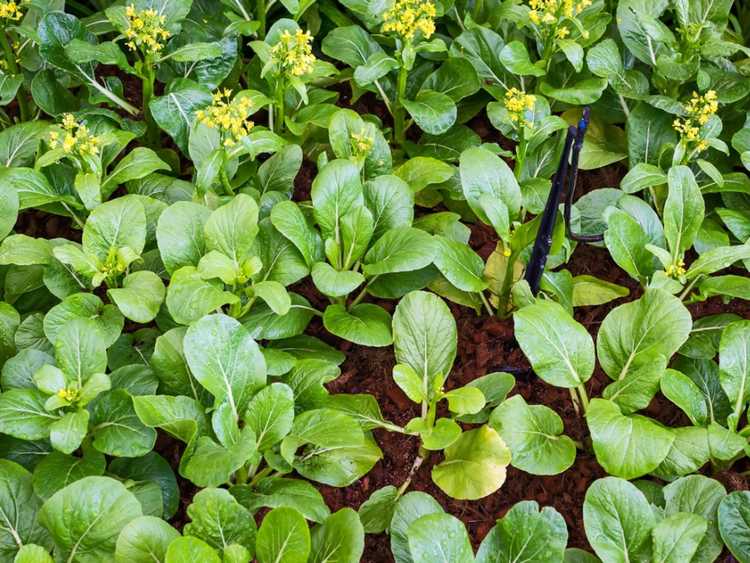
(293, 53)
(406, 18)
(361, 143)
(145, 30)
(10, 11)
(676, 270)
(517, 102)
(551, 14)
(78, 139)
(699, 110)
(229, 117)
(70, 395)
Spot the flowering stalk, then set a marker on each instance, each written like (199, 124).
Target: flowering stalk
(146, 37)
(408, 20)
(260, 9)
(291, 59)
(699, 111)
(11, 12)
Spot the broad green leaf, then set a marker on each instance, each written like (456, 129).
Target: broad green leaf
(174, 111)
(460, 264)
(66, 434)
(190, 297)
(335, 191)
(635, 391)
(525, 533)
(409, 509)
(534, 435)
(115, 224)
(231, 229)
(377, 511)
(32, 553)
(486, 174)
(657, 323)
(683, 210)
(289, 220)
(699, 495)
(391, 202)
(80, 350)
(179, 233)
(57, 470)
(424, 335)
(283, 537)
(734, 356)
(626, 241)
(278, 492)
(219, 520)
(618, 521)
(475, 465)
(108, 320)
(140, 296)
(335, 283)
(144, 540)
(225, 359)
(439, 538)
(560, 349)
(403, 249)
(676, 538)
(270, 414)
(626, 446)
(23, 250)
(734, 523)
(18, 511)
(589, 290)
(366, 324)
(86, 517)
(339, 538)
(434, 112)
(187, 548)
(23, 415)
(116, 428)
(138, 163)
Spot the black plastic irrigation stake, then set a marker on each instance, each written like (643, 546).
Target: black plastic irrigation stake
(569, 159)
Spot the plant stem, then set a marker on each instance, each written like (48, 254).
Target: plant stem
(575, 400)
(148, 93)
(280, 105)
(486, 303)
(413, 471)
(502, 309)
(689, 287)
(584, 397)
(362, 293)
(241, 476)
(260, 8)
(10, 58)
(399, 115)
(225, 181)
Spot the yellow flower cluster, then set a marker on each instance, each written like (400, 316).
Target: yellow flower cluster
(699, 110)
(10, 11)
(407, 17)
(361, 143)
(676, 270)
(293, 53)
(551, 12)
(70, 395)
(145, 30)
(229, 117)
(517, 102)
(77, 138)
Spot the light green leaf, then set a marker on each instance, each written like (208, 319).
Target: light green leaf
(475, 465)
(86, 517)
(534, 434)
(283, 537)
(626, 446)
(140, 297)
(365, 324)
(560, 349)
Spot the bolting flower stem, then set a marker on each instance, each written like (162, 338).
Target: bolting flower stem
(149, 77)
(260, 9)
(10, 58)
(280, 106)
(399, 115)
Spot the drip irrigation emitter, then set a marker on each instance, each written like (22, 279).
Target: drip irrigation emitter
(567, 173)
